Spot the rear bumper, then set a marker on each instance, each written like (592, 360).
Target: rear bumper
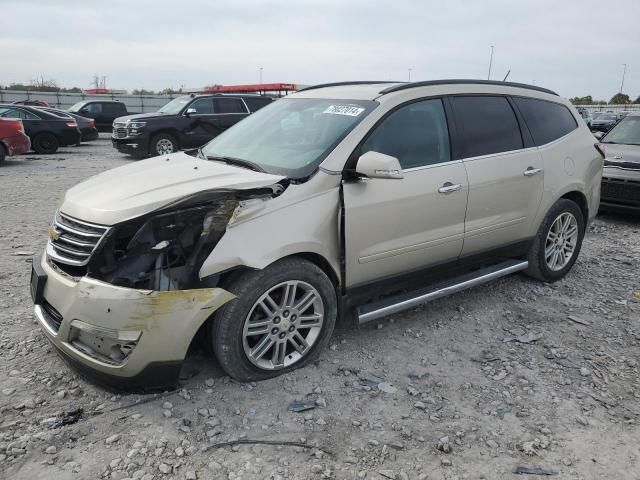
(69, 137)
(89, 134)
(18, 144)
(138, 145)
(120, 337)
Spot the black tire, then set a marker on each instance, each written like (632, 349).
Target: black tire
(45, 143)
(538, 265)
(154, 148)
(3, 153)
(226, 327)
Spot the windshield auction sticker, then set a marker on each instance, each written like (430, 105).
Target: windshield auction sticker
(350, 110)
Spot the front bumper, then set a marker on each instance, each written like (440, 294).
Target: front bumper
(121, 337)
(138, 145)
(620, 190)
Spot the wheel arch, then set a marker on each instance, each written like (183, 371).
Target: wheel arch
(580, 199)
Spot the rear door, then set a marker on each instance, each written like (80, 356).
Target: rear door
(229, 111)
(397, 226)
(506, 175)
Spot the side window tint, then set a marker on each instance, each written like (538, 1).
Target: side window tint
(416, 134)
(256, 103)
(10, 113)
(203, 106)
(489, 125)
(94, 108)
(547, 121)
(228, 105)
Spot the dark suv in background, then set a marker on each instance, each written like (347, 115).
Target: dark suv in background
(186, 122)
(102, 111)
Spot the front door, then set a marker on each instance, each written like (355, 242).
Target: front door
(395, 226)
(506, 177)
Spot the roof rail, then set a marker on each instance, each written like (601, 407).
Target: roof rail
(429, 83)
(342, 84)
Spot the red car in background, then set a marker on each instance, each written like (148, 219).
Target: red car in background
(13, 139)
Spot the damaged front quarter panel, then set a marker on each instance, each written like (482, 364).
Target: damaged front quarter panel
(163, 250)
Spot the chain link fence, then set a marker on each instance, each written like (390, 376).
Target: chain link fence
(134, 103)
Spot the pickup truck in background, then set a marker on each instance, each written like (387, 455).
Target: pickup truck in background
(186, 122)
(104, 112)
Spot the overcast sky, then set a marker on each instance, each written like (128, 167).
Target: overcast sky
(571, 46)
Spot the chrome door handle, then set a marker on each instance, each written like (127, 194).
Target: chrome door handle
(530, 172)
(449, 187)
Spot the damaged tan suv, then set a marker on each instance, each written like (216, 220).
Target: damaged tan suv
(353, 200)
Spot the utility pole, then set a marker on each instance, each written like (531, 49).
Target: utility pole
(409, 74)
(624, 71)
(490, 63)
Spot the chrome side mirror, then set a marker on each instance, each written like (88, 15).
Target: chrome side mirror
(378, 165)
(190, 111)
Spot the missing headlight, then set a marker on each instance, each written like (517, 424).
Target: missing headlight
(162, 251)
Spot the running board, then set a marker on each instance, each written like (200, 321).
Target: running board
(397, 303)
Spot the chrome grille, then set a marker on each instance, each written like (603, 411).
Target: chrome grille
(72, 241)
(119, 130)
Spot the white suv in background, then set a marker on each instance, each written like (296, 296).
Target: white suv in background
(353, 200)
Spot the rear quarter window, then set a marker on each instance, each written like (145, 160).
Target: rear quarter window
(547, 121)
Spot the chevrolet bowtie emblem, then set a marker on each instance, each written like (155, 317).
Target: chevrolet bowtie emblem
(618, 157)
(53, 233)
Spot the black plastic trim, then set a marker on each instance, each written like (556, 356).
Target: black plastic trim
(155, 376)
(433, 274)
(430, 83)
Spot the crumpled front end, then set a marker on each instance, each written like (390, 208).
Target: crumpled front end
(121, 337)
(123, 302)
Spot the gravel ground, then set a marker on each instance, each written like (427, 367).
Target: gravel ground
(513, 374)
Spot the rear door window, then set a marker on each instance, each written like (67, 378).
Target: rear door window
(18, 113)
(547, 121)
(228, 105)
(416, 134)
(488, 125)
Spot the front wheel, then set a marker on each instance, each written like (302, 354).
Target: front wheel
(163, 144)
(282, 318)
(558, 242)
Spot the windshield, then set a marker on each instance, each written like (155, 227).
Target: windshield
(175, 105)
(290, 136)
(626, 132)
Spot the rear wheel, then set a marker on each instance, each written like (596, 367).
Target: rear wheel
(163, 144)
(282, 318)
(45, 143)
(3, 153)
(558, 242)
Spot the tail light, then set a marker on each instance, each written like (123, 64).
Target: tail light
(600, 149)
(92, 123)
(20, 125)
(72, 124)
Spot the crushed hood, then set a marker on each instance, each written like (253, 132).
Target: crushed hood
(147, 185)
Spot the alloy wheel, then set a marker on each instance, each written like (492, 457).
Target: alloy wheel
(560, 245)
(283, 325)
